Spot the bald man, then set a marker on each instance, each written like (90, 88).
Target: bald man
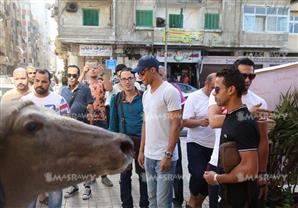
(20, 78)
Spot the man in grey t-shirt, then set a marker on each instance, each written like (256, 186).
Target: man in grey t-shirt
(162, 118)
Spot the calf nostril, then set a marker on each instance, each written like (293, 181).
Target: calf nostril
(126, 146)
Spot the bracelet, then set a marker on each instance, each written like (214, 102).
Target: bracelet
(215, 179)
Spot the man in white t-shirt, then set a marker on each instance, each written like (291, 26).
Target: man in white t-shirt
(50, 100)
(255, 105)
(158, 151)
(200, 140)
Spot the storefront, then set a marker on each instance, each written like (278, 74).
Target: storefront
(182, 65)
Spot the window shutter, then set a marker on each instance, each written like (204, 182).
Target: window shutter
(211, 21)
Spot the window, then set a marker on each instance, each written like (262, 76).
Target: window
(144, 18)
(90, 17)
(211, 21)
(293, 24)
(176, 20)
(265, 19)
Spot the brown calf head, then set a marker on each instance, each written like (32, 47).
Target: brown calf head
(41, 151)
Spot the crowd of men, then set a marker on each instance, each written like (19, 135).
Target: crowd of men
(219, 112)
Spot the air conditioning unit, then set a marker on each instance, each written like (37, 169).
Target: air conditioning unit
(71, 7)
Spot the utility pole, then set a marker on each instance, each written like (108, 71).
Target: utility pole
(166, 38)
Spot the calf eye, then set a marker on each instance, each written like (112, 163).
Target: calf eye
(33, 126)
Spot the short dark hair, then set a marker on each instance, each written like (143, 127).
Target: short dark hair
(119, 67)
(74, 66)
(243, 61)
(127, 69)
(233, 77)
(44, 71)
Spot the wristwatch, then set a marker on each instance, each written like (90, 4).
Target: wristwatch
(168, 154)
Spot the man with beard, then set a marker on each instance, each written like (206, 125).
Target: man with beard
(31, 71)
(21, 82)
(238, 187)
(44, 98)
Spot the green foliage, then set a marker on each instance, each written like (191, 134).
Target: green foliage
(283, 155)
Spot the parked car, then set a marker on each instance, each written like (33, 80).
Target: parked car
(186, 89)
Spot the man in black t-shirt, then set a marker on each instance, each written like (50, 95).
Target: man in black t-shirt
(238, 187)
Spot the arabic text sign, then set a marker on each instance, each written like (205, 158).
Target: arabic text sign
(95, 50)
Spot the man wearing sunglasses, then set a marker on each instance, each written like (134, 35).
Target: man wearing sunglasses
(161, 127)
(80, 100)
(238, 185)
(256, 105)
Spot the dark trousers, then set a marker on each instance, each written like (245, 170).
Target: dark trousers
(213, 190)
(198, 158)
(178, 180)
(125, 182)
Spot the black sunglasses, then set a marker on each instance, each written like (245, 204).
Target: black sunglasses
(216, 90)
(72, 75)
(250, 76)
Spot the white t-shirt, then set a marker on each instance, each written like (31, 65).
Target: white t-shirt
(157, 106)
(53, 102)
(250, 100)
(196, 106)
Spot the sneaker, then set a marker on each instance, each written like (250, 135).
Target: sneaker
(71, 191)
(106, 181)
(87, 193)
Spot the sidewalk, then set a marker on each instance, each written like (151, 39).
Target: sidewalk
(109, 197)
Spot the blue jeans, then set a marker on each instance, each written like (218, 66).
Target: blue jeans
(55, 200)
(159, 184)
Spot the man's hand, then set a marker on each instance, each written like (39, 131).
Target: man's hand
(260, 114)
(141, 158)
(209, 177)
(86, 69)
(165, 164)
(204, 122)
(263, 188)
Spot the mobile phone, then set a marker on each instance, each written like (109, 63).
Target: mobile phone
(92, 63)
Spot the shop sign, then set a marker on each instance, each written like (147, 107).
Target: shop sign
(95, 50)
(179, 56)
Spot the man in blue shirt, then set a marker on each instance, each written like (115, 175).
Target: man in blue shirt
(80, 101)
(126, 116)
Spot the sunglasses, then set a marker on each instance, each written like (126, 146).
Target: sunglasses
(250, 76)
(144, 72)
(72, 75)
(216, 90)
(127, 79)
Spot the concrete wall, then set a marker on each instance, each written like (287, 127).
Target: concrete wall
(272, 81)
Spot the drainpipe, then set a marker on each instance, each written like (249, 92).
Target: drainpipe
(166, 37)
(199, 72)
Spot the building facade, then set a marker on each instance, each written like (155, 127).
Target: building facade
(201, 36)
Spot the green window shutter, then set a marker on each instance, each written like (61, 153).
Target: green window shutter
(176, 20)
(144, 18)
(211, 21)
(90, 17)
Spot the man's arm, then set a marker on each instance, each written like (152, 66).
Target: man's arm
(175, 124)
(263, 149)
(90, 110)
(107, 84)
(247, 169)
(216, 118)
(193, 123)
(82, 75)
(141, 156)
